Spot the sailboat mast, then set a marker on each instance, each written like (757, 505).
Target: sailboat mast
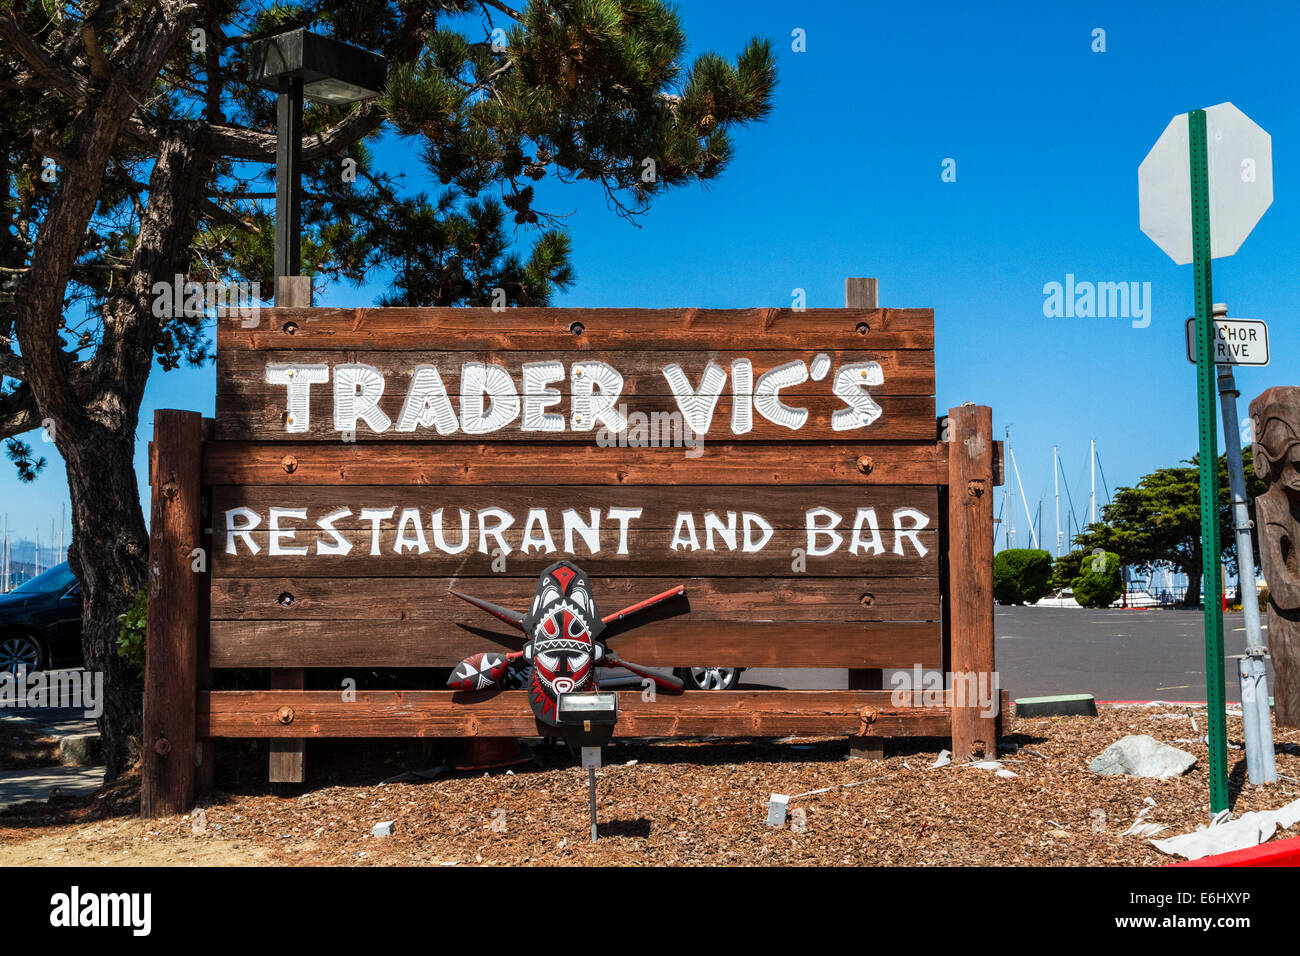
(1056, 487)
(1029, 519)
(1011, 506)
(1092, 467)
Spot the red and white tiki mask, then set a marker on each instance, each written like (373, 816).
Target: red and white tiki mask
(564, 627)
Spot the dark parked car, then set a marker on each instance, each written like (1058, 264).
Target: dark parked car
(694, 678)
(40, 622)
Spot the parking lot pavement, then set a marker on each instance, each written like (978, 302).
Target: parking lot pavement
(1109, 653)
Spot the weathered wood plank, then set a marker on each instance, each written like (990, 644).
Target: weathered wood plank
(261, 417)
(663, 643)
(970, 569)
(552, 329)
(336, 463)
(654, 559)
(168, 779)
(905, 371)
(707, 599)
(782, 507)
(862, 292)
(506, 714)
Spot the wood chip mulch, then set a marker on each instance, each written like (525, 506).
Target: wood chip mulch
(691, 803)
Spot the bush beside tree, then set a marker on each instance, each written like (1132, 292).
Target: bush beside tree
(1021, 575)
(1100, 581)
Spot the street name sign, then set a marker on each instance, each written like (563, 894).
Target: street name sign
(1236, 342)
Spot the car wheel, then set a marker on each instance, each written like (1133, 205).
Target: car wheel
(710, 678)
(19, 650)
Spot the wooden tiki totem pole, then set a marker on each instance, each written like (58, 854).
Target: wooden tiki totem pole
(1275, 420)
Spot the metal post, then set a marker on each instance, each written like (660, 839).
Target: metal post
(591, 786)
(1216, 736)
(288, 179)
(1255, 715)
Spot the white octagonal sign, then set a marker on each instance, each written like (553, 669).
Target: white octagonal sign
(1240, 160)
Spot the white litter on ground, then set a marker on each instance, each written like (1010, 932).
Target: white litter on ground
(1225, 834)
(1142, 829)
(778, 804)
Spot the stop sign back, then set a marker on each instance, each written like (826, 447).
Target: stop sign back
(1240, 160)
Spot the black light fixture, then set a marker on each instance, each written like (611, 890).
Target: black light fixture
(587, 721)
(302, 64)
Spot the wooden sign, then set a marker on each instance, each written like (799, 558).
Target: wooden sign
(787, 467)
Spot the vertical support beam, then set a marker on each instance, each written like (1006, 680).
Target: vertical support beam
(863, 293)
(293, 292)
(204, 754)
(288, 757)
(970, 580)
(288, 179)
(167, 783)
(288, 761)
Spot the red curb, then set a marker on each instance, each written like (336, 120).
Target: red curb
(1276, 853)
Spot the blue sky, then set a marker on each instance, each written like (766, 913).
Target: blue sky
(845, 179)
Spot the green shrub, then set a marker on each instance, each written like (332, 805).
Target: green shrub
(1263, 598)
(1021, 575)
(130, 637)
(1100, 581)
(1067, 568)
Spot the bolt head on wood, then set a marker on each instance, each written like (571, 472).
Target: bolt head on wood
(865, 464)
(975, 487)
(284, 715)
(289, 463)
(162, 746)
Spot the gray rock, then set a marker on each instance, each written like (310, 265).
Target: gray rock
(1141, 756)
(383, 829)
(79, 750)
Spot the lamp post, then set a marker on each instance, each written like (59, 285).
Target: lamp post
(302, 64)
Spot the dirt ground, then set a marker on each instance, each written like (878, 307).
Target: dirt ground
(686, 804)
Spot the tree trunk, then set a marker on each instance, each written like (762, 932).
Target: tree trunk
(1193, 597)
(109, 555)
(110, 546)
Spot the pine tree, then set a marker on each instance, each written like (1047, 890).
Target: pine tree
(133, 149)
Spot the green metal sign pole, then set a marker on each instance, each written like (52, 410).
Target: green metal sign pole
(1211, 589)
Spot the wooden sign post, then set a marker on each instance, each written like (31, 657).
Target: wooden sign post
(786, 466)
